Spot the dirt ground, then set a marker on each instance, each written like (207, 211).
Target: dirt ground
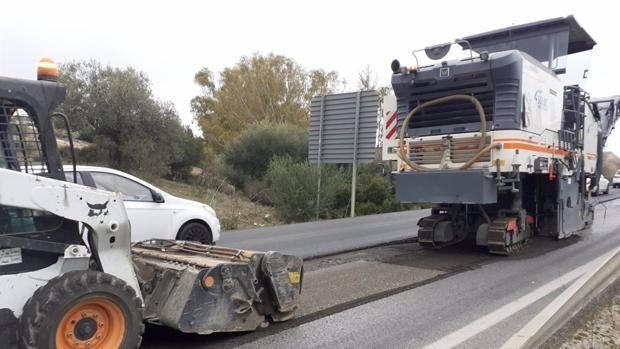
(235, 211)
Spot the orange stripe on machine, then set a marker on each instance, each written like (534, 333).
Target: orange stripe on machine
(538, 148)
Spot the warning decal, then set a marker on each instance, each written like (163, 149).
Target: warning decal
(10, 256)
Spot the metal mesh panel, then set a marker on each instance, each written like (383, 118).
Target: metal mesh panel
(19, 137)
(20, 150)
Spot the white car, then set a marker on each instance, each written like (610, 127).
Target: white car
(616, 180)
(602, 187)
(153, 213)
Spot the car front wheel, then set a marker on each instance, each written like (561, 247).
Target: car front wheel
(194, 231)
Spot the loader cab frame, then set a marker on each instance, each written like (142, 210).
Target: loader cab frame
(28, 144)
(34, 102)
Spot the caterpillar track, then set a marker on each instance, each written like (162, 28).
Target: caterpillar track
(497, 238)
(426, 227)
(497, 235)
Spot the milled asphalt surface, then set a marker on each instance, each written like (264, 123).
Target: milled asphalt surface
(322, 238)
(399, 295)
(418, 317)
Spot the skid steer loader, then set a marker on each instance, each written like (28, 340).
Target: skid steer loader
(65, 287)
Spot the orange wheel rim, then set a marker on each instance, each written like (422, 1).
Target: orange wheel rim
(93, 323)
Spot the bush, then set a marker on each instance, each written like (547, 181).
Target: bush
(258, 191)
(87, 134)
(188, 152)
(374, 193)
(90, 155)
(230, 222)
(248, 157)
(611, 164)
(294, 189)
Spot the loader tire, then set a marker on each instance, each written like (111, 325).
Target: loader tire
(82, 309)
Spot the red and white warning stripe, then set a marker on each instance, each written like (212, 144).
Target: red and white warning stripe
(391, 125)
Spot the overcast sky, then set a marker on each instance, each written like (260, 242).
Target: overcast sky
(170, 41)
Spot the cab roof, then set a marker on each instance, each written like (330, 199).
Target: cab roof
(578, 40)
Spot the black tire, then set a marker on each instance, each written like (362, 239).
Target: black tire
(195, 231)
(87, 293)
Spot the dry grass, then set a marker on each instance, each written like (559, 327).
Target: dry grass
(235, 211)
(602, 328)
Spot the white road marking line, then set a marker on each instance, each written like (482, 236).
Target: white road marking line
(459, 336)
(519, 339)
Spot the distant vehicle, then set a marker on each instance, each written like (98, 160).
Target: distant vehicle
(602, 187)
(153, 213)
(616, 180)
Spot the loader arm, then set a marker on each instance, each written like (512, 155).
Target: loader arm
(101, 211)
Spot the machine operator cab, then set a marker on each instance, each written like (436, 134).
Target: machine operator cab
(31, 239)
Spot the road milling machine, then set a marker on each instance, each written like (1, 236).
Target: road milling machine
(499, 141)
(62, 286)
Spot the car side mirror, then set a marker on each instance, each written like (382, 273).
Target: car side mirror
(157, 197)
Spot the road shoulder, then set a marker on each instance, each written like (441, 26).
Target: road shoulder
(597, 325)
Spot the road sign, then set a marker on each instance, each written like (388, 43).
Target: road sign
(343, 130)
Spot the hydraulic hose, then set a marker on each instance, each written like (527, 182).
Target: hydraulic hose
(483, 131)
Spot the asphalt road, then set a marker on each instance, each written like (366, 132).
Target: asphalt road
(314, 239)
(327, 237)
(479, 308)
(400, 295)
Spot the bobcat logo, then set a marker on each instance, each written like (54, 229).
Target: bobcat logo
(97, 210)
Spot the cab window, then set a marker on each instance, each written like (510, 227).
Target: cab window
(69, 177)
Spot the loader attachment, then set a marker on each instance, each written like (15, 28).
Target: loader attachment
(202, 289)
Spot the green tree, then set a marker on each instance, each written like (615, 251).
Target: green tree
(294, 189)
(248, 156)
(366, 79)
(272, 87)
(189, 153)
(115, 108)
